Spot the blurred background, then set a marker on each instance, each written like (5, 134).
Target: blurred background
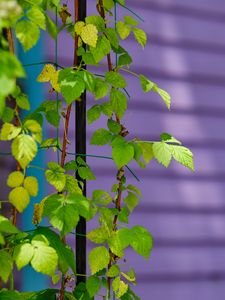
(184, 211)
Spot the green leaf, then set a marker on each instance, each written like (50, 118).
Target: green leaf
(89, 35)
(147, 151)
(56, 176)
(101, 197)
(97, 21)
(51, 26)
(140, 36)
(32, 126)
(115, 79)
(72, 86)
(124, 60)
(45, 258)
(119, 287)
(8, 114)
(118, 102)
(116, 245)
(130, 276)
(123, 215)
(23, 254)
(130, 21)
(113, 271)
(101, 137)
(123, 30)
(20, 198)
(88, 79)
(146, 84)
(9, 295)
(93, 285)
(131, 200)
(102, 48)
(31, 185)
(134, 189)
(53, 118)
(27, 33)
(98, 235)
(86, 173)
(141, 241)
(36, 16)
(63, 215)
(169, 138)
(182, 155)
(103, 259)
(72, 185)
(94, 113)
(162, 153)
(112, 37)
(122, 153)
(9, 132)
(23, 101)
(24, 149)
(15, 179)
(113, 126)
(64, 252)
(164, 95)
(6, 226)
(6, 265)
(101, 88)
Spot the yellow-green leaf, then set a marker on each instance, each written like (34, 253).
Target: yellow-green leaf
(31, 185)
(89, 35)
(15, 179)
(20, 198)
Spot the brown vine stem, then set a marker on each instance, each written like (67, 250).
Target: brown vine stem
(66, 130)
(101, 11)
(11, 49)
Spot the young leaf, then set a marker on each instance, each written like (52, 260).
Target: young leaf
(98, 235)
(9, 132)
(31, 185)
(131, 200)
(118, 102)
(140, 36)
(146, 84)
(102, 48)
(27, 33)
(122, 154)
(115, 79)
(119, 287)
(112, 37)
(147, 151)
(23, 101)
(33, 126)
(72, 185)
(183, 155)
(15, 179)
(123, 29)
(113, 271)
(6, 265)
(86, 173)
(164, 95)
(45, 258)
(124, 60)
(130, 21)
(113, 126)
(101, 137)
(97, 21)
(94, 113)
(37, 16)
(89, 35)
(23, 254)
(134, 189)
(8, 114)
(20, 198)
(88, 79)
(51, 26)
(103, 259)
(101, 197)
(162, 153)
(141, 241)
(93, 285)
(101, 88)
(6, 226)
(24, 149)
(56, 176)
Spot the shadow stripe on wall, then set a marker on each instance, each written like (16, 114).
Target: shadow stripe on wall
(180, 10)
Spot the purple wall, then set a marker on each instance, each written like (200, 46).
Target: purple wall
(185, 212)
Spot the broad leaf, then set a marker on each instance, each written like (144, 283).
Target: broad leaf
(103, 259)
(23, 254)
(89, 35)
(183, 155)
(162, 153)
(122, 153)
(31, 185)
(93, 285)
(118, 102)
(141, 241)
(101, 137)
(9, 132)
(98, 235)
(119, 287)
(6, 226)
(15, 179)
(131, 200)
(56, 176)
(20, 198)
(27, 33)
(123, 29)
(115, 79)
(140, 36)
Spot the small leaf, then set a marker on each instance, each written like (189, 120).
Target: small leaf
(113, 271)
(15, 179)
(146, 84)
(36, 16)
(20, 198)
(98, 235)
(103, 259)
(93, 285)
(119, 287)
(101, 137)
(114, 126)
(27, 33)
(23, 254)
(6, 265)
(102, 48)
(123, 29)
(53, 118)
(115, 79)
(72, 185)
(86, 173)
(33, 126)
(56, 176)
(51, 26)
(46, 73)
(24, 149)
(183, 155)
(164, 95)
(89, 35)
(97, 21)
(140, 36)
(9, 132)
(101, 88)
(130, 21)
(118, 102)
(147, 151)
(162, 153)
(6, 226)
(134, 189)
(122, 154)
(94, 113)
(131, 200)
(31, 185)
(8, 114)
(23, 101)
(101, 197)
(112, 37)
(141, 241)
(78, 27)
(45, 258)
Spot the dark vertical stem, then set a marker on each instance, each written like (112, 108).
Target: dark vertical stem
(80, 139)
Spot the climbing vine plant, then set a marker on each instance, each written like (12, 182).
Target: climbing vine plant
(97, 39)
